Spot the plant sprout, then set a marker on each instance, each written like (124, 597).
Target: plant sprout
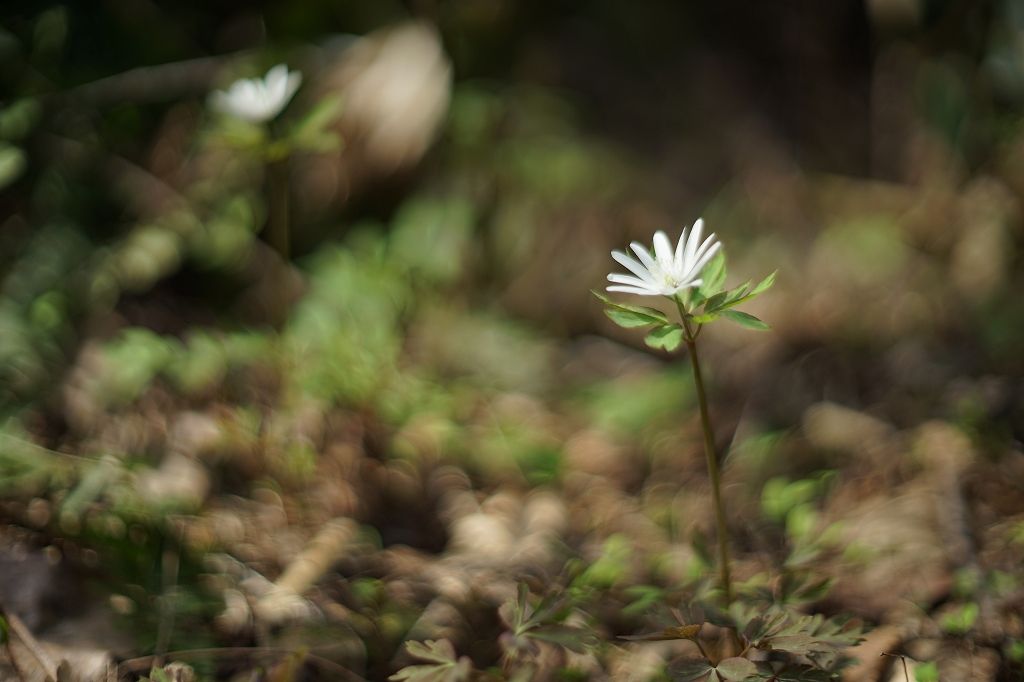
(691, 276)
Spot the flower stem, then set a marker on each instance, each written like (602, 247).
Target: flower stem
(713, 473)
(277, 225)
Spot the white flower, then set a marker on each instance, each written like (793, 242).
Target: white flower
(258, 99)
(666, 272)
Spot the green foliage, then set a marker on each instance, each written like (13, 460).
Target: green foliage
(667, 337)
(961, 620)
(431, 237)
(530, 622)
(792, 645)
(12, 164)
(926, 672)
(630, 405)
(610, 567)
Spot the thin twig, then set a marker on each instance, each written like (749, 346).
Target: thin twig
(903, 660)
(24, 635)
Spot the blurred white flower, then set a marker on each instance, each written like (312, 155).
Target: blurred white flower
(666, 272)
(258, 99)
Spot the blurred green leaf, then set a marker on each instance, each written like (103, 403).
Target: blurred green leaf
(960, 620)
(12, 164)
(18, 118)
(311, 131)
(926, 672)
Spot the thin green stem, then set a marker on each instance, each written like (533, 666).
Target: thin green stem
(709, 454)
(713, 473)
(279, 238)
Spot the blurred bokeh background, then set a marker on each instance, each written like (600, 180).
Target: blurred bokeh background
(284, 457)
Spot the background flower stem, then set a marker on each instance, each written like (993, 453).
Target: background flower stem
(279, 239)
(713, 473)
(278, 228)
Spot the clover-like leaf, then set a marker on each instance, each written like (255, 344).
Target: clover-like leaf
(745, 320)
(433, 650)
(689, 670)
(736, 669)
(442, 664)
(666, 337)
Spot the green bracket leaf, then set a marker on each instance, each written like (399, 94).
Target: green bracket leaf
(666, 337)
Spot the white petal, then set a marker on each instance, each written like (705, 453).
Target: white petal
(645, 257)
(635, 290)
(704, 247)
(632, 265)
(691, 243)
(677, 263)
(276, 80)
(294, 81)
(699, 265)
(663, 250)
(627, 279)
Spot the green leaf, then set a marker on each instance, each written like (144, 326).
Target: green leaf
(713, 276)
(764, 285)
(761, 287)
(736, 668)
(312, 125)
(745, 320)
(666, 337)
(12, 163)
(18, 118)
(630, 315)
(572, 638)
(705, 318)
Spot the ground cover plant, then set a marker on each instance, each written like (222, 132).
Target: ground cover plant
(301, 378)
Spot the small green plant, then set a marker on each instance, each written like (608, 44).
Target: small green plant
(755, 618)
(531, 626)
(249, 106)
(692, 277)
